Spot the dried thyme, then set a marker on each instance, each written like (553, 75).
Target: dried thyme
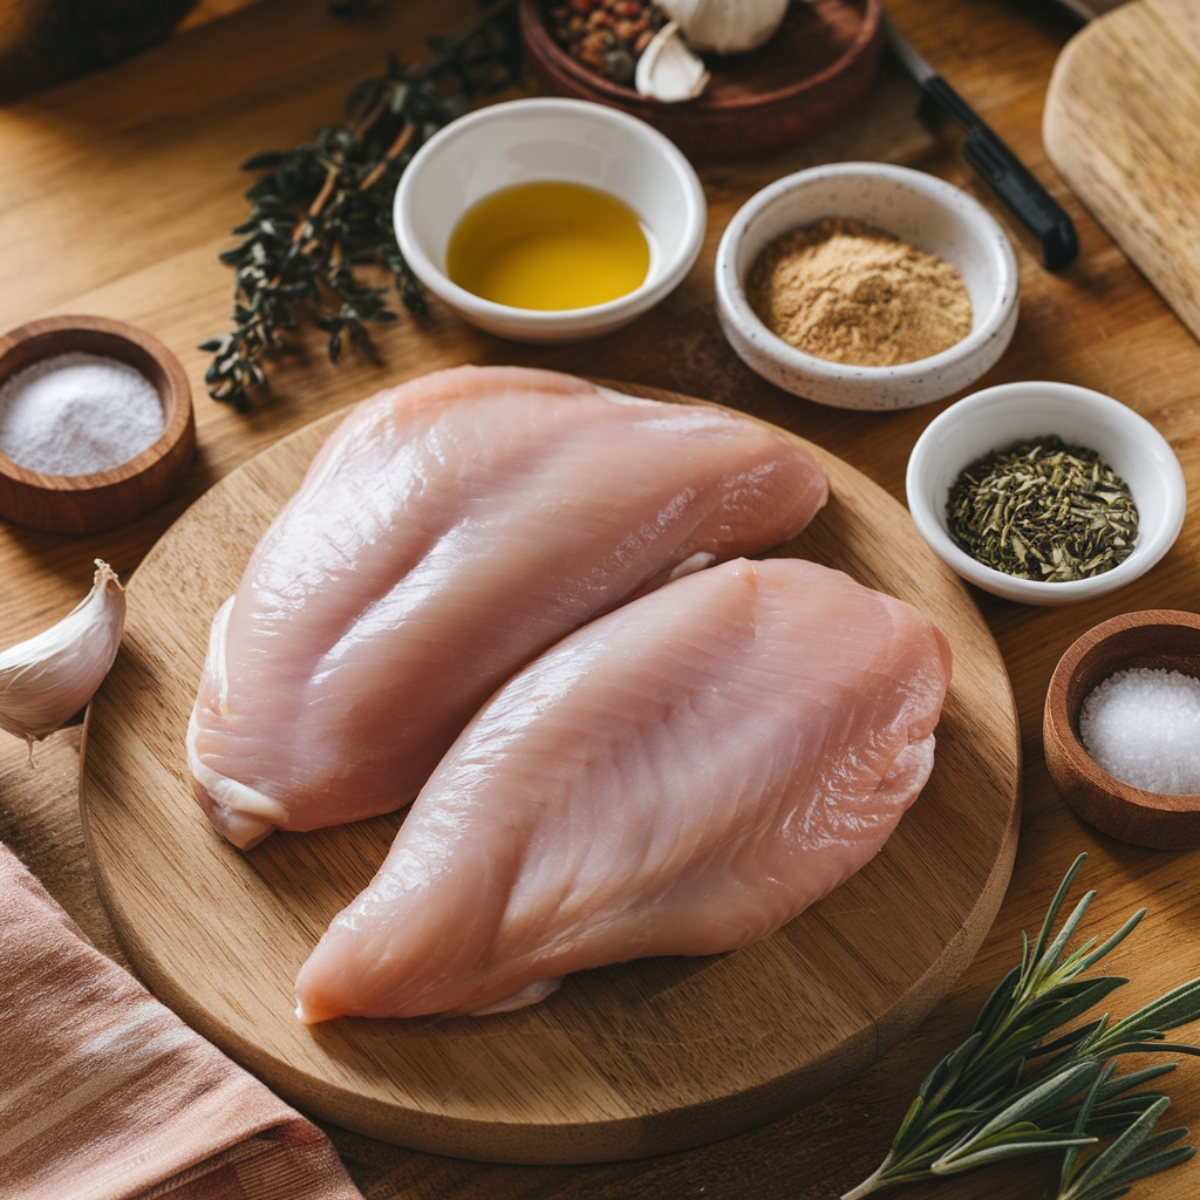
(322, 213)
(1043, 510)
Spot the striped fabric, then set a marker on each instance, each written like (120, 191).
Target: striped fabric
(107, 1095)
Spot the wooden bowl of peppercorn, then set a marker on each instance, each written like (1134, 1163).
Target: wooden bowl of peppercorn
(820, 61)
(1002, 417)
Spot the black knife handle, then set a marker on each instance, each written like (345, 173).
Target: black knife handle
(1010, 179)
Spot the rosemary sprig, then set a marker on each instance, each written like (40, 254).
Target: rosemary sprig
(1131, 1156)
(323, 212)
(1007, 1093)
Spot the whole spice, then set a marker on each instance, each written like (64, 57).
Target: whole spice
(1007, 1092)
(606, 36)
(726, 26)
(846, 292)
(47, 679)
(1043, 510)
(668, 71)
(324, 210)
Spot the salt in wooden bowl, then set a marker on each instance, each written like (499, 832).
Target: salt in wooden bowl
(1158, 639)
(101, 500)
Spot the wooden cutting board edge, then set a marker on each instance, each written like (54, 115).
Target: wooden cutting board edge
(626, 1138)
(1107, 130)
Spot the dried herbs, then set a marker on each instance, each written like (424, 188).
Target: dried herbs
(1019, 1086)
(324, 210)
(1043, 510)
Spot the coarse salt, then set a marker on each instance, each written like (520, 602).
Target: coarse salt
(75, 414)
(1142, 726)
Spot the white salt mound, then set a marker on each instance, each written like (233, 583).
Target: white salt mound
(1143, 728)
(78, 413)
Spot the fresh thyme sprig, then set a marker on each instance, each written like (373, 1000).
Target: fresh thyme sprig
(1006, 1092)
(324, 210)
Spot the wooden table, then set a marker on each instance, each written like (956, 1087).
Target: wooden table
(116, 196)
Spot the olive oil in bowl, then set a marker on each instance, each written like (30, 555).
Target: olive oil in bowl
(548, 246)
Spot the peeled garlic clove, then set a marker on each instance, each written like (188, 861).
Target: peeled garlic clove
(668, 70)
(49, 678)
(726, 26)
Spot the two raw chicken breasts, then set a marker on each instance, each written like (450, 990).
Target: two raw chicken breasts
(495, 593)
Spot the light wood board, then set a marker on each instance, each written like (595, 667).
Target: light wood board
(626, 1061)
(1122, 125)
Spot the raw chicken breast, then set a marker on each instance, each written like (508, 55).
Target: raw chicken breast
(682, 776)
(448, 532)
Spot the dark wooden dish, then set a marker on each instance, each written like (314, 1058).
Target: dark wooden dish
(105, 499)
(822, 59)
(1158, 639)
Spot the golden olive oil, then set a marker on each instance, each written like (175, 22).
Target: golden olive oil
(548, 246)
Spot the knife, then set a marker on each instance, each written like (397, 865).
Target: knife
(1007, 176)
(1089, 10)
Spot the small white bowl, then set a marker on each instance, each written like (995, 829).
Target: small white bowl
(569, 141)
(1000, 416)
(932, 214)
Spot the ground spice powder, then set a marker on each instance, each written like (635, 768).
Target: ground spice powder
(849, 293)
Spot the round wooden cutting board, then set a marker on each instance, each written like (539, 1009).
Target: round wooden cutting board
(631, 1060)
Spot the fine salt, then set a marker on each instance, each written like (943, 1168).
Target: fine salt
(74, 414)
(1143, 727)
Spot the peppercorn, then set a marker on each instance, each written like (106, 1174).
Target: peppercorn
(619, 66)
(628, 27)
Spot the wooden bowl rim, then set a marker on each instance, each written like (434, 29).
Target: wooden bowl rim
(541, 44)
(176, 398)
(1063, 724)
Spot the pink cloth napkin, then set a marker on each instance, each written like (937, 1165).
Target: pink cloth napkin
(107, 1095)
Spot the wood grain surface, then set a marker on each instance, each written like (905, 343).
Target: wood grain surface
(641, 1058)
(117, 194)
(1122, 126)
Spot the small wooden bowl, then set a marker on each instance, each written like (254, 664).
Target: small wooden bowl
(1158, 639)
(105, 499)
(821, 60)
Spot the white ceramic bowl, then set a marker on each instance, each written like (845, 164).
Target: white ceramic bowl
(932, 214)
(569, 141)
(998, 417)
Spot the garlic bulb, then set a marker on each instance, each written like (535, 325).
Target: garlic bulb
(47, 679)
(668, 70)
(726, 26)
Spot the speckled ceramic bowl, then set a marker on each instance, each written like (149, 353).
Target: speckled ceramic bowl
(932, 214)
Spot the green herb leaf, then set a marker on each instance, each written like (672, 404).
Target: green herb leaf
(1109, 1173)
(324, 211)
(1008, 1092)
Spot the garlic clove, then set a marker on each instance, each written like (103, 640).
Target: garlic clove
(46, 680)
(668, 70)
(726, 26)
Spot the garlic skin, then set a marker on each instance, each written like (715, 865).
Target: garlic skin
(46, 680)
(726, 26)
(668, 71)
